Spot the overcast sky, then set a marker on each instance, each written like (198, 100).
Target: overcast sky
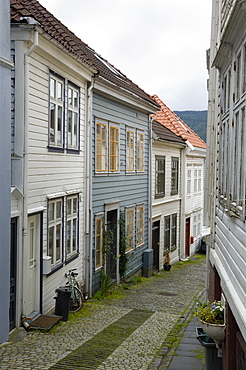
(159, 44)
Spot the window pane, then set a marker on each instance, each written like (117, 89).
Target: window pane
(74, 234)
(69, 207)
(52, 87)
(59, 91)
(68, 237)
(52, 122)
(51, 243)
(75, 128)
(75, 201)
(76, 99)
(69, 128)
(51, 211)
(59, 125)
(58, 242)
(58, 209)
(70, 96)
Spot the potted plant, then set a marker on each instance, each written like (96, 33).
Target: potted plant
(212, 318)
(167, 263)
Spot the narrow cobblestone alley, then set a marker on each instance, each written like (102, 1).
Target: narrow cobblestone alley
(122, 333)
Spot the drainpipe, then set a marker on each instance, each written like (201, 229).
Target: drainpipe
(182, 205)
(88, 196)
(151, 119)
(26, 145)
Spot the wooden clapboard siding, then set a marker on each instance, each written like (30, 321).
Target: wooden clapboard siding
(168, 204)
(53, 172)
(127, 189)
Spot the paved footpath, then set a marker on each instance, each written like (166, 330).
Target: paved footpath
(124, 333)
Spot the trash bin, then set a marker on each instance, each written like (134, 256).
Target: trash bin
(62, 302)
(213, 362)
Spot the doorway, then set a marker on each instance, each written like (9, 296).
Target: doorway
(111, 255)
(156, 245)
(187, 237)
(13, 269)
(33, 269)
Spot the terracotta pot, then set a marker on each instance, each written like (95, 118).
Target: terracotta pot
(214, 331)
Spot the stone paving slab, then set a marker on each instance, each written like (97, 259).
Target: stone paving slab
(167, 296)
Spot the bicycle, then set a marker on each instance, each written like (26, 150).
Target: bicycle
(76, 298)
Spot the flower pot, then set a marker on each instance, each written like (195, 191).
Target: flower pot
(214, 331)
(167, 267)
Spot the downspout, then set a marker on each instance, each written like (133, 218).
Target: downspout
(151, 119)
(182, 255)
(26, 145)
(88, 199)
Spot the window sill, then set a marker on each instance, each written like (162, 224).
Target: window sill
(71, 258)
(55, 149)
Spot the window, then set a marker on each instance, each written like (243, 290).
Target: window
(99, 241)
(101, 147)
(55, 230)
(159, 176)
(72, 226)
(167, 232)
(175, 175)
(114, 149)
(103, 142)
(64, 117)
(73, 117)
(63, 229)
(130, 228)
(130, 138)
(56, 112)
(197, 224)
(170, 232)
(140, 151)
(174, 232)
(197, 179)
(189, 182)
(140, 225)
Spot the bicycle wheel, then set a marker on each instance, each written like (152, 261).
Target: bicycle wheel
(76, 300)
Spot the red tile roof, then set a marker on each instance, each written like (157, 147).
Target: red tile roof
(170, 120)
(58, 31)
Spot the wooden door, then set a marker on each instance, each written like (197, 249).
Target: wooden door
(156, 245)
(13, 264)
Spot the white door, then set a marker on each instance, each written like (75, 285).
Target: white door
(33, 263)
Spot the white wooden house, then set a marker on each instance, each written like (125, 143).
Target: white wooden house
(5, 169)
(167, 180)
(49, 111)
(192, 180)
(225, 174)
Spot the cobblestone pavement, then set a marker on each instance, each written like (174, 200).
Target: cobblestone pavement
(168, 296)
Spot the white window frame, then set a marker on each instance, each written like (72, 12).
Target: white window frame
(189, 177)
(107, 150)
(114, 149)
(72, 219)
(73, 103)
(140, 151)
(130, 150)
(56, 119)
(55, 222)
(160, 175)
(130, 228)
(174, 175)
(140, 224)
(98, 241)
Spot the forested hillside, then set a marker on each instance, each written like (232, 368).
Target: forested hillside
(197, 120)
